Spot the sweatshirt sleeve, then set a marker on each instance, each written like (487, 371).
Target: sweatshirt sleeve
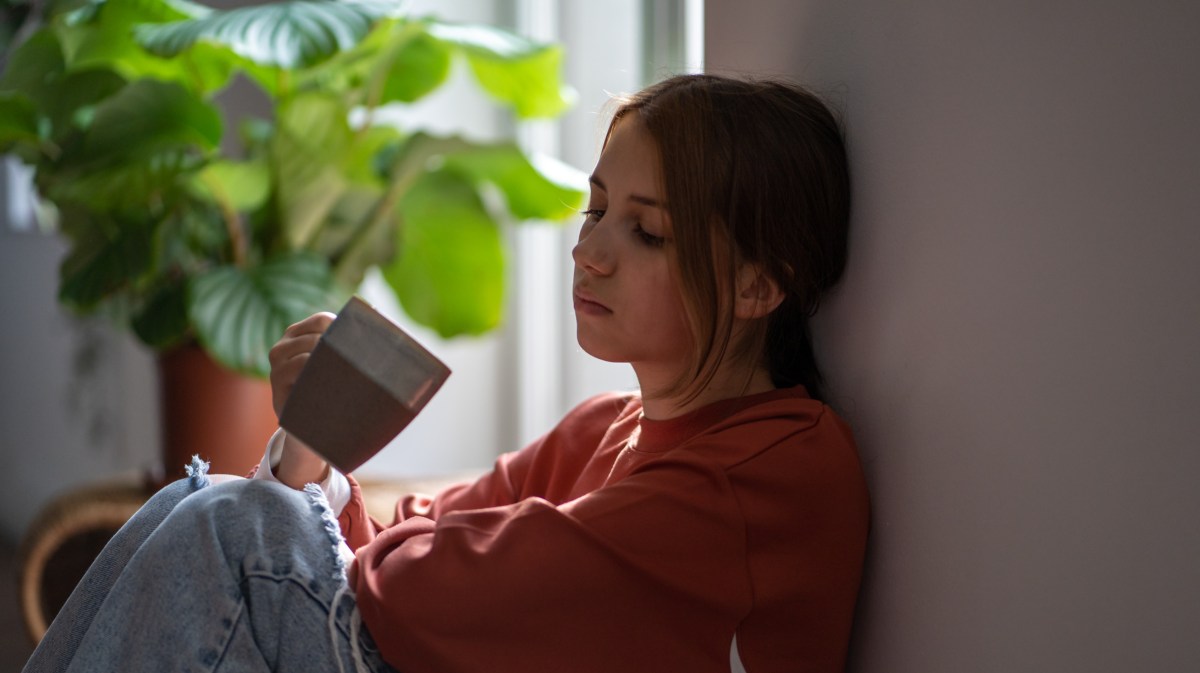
(513, 476)
(495, 488)
(623, 562)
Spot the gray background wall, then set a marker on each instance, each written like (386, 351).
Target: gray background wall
(1018, 338)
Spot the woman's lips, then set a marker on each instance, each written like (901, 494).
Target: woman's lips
(586, 303)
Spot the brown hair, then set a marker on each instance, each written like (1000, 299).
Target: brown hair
(762, 164)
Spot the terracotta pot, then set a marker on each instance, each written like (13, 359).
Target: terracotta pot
(224, 417)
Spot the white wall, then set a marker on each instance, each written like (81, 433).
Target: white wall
(77, 400)
(1018, 338)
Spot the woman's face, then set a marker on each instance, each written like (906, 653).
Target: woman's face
(627, 302)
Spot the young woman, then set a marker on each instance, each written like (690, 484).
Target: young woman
(643, 533)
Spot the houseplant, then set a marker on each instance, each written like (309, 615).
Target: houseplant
(189, 231)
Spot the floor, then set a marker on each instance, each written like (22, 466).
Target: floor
(15, 647)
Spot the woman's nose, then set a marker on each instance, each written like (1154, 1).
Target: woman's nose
(591, 251)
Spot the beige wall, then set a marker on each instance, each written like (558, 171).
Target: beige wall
(1018, 339)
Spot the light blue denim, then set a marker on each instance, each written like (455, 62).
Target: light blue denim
(240, 576)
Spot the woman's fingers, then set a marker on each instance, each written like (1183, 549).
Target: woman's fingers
(289, 347)
(291, 352)
(300, 337)
(315, 323)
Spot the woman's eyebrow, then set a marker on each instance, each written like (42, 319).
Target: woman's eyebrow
(637, 198)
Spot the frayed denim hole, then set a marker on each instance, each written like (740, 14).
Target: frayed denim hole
(320, 504)
(197, 473)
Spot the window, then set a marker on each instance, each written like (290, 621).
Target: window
(512, 386)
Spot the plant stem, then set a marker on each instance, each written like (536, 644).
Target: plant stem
(282, 83)
(237, 236)
(405, 172)
(360, 241)
(233, 224)
(379, 75)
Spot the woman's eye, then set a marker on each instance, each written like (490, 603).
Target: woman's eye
(648, 238)
(593, 213)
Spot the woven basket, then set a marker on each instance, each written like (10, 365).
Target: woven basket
(62, 542)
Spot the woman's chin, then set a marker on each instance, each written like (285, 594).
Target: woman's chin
(597, 348)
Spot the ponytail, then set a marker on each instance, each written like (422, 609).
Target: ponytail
(789, 348)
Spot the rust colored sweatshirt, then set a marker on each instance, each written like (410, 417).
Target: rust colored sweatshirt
(616, 543)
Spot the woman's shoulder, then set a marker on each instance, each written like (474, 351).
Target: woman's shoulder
(786, 425)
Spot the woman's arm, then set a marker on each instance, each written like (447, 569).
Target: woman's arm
(621, 579)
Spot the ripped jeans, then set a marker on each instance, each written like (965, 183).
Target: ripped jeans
(237, 576)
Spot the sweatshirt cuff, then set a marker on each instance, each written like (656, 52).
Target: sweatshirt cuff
(335, 486)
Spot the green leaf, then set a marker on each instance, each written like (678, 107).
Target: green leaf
(546, 189)
(189, 242)
(362, 156)
(307, 153)
(157, 11)
(18, 120)
(240, 313)
(238, 185)
(420, 66)
(106, 256)
(101, 35)
(355, 206)
(127, 186)
(449, 274)
(34, 67)
(75, 96)
(293, 34)
(163, 321)
(148, 117)
(517, 71)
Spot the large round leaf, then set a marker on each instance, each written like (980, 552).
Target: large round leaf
(34, 67)
(99, 35)
(187, 243)
(18, 120)
(312, 137)
(449, 274)
(238, 185)
(418, 67)
(148, 117)
(106, 256)
(120, 184)
(75, 95)
(299, 33)
(162, 322)
(240, 313)
(546, 189)
(517, 71)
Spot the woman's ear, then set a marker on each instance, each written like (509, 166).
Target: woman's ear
(757, 293)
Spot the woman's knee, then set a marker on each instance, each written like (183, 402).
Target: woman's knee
(268, 525)
(240, 499)
(236, 507)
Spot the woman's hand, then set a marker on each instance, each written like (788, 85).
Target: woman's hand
(300, 464)
(289, 355)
